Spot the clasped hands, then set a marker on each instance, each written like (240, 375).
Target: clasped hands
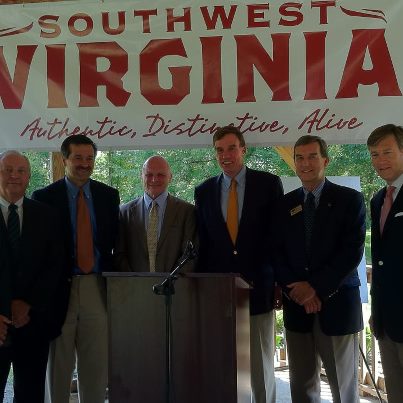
(305, 295)
(19, 318)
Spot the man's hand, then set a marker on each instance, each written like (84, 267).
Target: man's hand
(20, 313)
(301, 292)
(313, 305)
(4, 323)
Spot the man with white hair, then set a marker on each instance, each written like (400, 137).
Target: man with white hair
(29, 273)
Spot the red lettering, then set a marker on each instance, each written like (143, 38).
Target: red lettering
(382, 72)
(275, 71)
(255, 13)
(121, 23)
(12, 91)
(315, 65)
(149, 59)
(43, 23)
(56, 76)
(89, 24)
(90, 78)
(323, 6)
(212, 78)
(172, 20)
(145, 15)
(218, 13)
(285, 10)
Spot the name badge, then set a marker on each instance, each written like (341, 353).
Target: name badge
(296, 210)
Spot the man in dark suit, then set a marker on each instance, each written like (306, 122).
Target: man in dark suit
(29, 275)
(386, 148)
(89, 212)
(235, 213)
(175, 224)
(320, 247)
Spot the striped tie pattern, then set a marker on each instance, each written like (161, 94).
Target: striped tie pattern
(152, 234)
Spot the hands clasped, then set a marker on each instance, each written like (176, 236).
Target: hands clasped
(305, 295)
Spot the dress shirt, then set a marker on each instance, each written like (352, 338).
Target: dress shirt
(225, 188)
(397, 184)
(72, 193)
(4, 209)
(316, 192)
(161, 200)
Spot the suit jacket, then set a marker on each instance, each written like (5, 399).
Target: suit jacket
(252, 255)
(178, 227)
(337, 246)
(106, 208)
(387, 268)
(33, 276)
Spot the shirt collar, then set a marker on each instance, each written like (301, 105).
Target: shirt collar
(398, 183)
(161, 199)
(316, 192)
(73, 189)
(240, 178)
(5, 203)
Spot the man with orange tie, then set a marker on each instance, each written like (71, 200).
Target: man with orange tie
(386, 148)
(89, 212)
(235, 212)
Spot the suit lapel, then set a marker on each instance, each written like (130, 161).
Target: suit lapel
(138, 222)
(169, 219)
(397, 207)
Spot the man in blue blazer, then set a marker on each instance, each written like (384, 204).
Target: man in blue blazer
(320, 247)
(30, 271)
(386, 148)
(82, 299)
(248, 251)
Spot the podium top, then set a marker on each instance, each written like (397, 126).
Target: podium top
(240, 281)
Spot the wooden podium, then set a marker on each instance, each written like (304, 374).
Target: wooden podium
(210, 330)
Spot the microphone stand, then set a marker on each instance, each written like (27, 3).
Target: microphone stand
(167, 288)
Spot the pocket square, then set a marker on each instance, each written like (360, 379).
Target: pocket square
(399, 214)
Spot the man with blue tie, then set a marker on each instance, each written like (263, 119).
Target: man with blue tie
(386, 148)
(321, 243)
(89, 212)
(235, 213)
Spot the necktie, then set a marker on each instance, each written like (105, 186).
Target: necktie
(152, 234)
(85, 247)
(387, 204)
(232, 211)
(13, 227)
(309, 218)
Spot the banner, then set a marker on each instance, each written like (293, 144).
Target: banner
(158, 74)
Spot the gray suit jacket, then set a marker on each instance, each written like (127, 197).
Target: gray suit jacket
(179, 226)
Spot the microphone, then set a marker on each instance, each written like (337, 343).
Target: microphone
(190, 251)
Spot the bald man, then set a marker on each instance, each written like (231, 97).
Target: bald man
(154, 228)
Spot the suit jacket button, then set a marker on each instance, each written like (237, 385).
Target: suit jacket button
(380, 263)
(306, 268)
(235, 252)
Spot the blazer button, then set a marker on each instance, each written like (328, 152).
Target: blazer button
(380, 263)
(306, 268)
(235, 252)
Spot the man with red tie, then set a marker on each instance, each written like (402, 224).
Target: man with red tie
(385, 145)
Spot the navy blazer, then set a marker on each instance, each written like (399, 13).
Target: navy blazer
(38, 268)
(337, 247)
(106, 207)
(252, 254)
(387, 268)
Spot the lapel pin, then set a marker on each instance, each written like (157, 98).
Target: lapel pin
(296, 210)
